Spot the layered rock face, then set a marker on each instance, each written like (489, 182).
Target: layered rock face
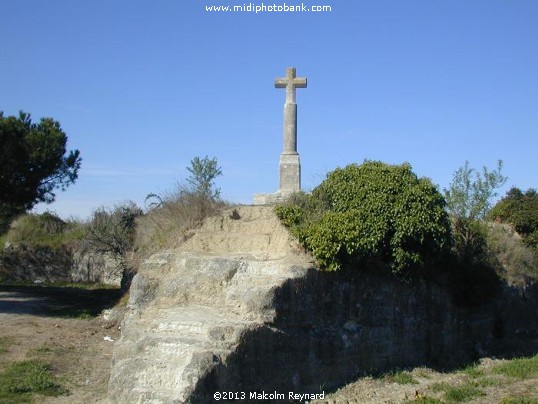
(190, 309)
(240, 309)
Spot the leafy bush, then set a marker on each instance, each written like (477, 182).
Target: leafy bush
(470, 192)
(468, 200)
(374, 211)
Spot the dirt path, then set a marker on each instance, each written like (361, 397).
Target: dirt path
(33, 325)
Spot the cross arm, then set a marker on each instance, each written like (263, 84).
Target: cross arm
(297, 82)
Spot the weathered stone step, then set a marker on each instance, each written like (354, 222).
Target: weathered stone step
(147, 375)
(201, 280)
(194, 320)
(246, 213)
(230, 243)
(244, 226)
(176, 344)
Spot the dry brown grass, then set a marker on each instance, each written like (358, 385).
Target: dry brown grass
(516, 262)
(168, 224)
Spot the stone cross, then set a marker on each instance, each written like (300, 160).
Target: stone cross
(290, 83)
(290, 166)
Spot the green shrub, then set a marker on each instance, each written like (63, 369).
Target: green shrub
(203, 173)
(468, 200)
(374, 211)
(289, 215)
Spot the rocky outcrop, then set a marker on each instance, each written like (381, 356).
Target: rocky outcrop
(191, 308)
(93, 267)
(240, 308)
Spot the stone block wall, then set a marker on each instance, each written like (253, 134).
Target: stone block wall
(329, 330)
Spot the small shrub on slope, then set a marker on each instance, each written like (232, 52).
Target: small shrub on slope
(520, 209)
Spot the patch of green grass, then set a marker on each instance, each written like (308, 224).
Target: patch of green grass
(71, 312)
(473, 370)
(437, 387)
(521, 368)
(401, 377)
(42, 350)
(21, 379)
(14, 398)
(425, 400)
(486, 381)
(460, 393)
(519, 400)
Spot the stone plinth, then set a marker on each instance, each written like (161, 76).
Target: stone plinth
(269, 199)
(290, 173)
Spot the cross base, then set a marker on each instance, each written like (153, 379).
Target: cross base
(290, 181)
(290, 173)
(269, 199)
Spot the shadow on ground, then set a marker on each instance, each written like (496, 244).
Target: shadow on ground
(56, 301)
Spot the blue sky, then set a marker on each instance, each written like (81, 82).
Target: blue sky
(141, 87)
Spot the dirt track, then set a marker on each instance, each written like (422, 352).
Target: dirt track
(33, 324)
